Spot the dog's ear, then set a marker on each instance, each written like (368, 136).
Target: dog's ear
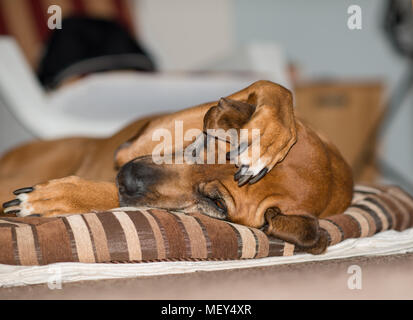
(301, 230)
(228, 114)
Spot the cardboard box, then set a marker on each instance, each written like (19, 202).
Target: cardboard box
(349, 114)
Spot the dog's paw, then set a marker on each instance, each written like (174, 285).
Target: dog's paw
(300, 230)
(52, 198)
(267, 144)
(321, 245)
(262, 141)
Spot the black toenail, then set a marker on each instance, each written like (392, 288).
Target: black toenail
(243, 180)
(11, 203)
(241, 172)
(237, 174)
(259, 176)
(23, 190)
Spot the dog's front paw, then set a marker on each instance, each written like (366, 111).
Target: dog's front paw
(300, 230)
(264, 136)
(52, 198)
(268, 143)
(321, 245)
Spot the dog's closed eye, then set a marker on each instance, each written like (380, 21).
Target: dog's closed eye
(214, 199)
(220, 205)
(217, 203)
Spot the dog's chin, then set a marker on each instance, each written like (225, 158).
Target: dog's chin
(213, 213)
(203, 208)
(125, 201)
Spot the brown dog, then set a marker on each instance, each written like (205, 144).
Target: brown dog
(301, 175)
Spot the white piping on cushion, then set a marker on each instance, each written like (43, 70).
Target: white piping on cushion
(383, 243)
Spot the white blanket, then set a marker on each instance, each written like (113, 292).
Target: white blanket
(384, 243)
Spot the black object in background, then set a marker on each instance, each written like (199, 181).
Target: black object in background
(398, 27)
(398, 24)
(87, 45)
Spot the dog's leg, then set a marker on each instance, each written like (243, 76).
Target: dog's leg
(40, 161)
(263, 106)
(301, 230)
(62, 196)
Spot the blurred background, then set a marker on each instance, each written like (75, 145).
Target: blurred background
(114, 60)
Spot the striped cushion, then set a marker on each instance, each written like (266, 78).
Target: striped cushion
(134, 235)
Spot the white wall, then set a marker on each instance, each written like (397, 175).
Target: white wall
(315, 34)
(186, 34)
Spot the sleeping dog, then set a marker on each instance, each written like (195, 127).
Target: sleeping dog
(297, 177)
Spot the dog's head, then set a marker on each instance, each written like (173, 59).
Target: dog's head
(206, 187)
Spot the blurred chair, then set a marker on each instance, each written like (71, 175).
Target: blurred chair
(100, 104)
(26, 20)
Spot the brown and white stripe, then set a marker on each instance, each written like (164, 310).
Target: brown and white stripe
(134, 234)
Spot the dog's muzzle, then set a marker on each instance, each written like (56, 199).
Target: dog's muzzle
(134, 180)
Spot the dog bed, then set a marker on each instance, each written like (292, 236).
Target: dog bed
(146, 235)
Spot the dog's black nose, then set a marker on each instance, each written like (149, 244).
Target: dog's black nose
(134, 178)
